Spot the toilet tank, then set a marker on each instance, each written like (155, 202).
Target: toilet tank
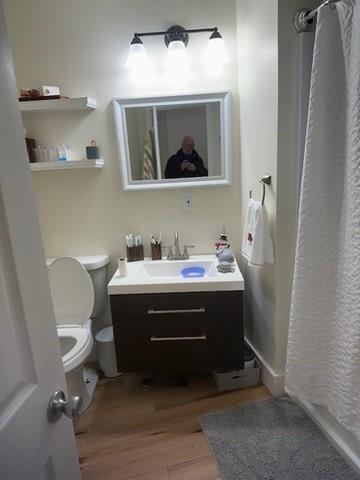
(96, 267)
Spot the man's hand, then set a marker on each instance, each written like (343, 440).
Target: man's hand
(186, 165)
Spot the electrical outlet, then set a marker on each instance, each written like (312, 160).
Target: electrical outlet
(187, 201)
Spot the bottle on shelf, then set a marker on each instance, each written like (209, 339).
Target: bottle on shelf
(92, 151)
(63, 153)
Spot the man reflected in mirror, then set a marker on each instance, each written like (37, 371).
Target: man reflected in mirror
(186, 162)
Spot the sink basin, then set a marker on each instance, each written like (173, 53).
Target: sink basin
(172, 268)
(161, 276)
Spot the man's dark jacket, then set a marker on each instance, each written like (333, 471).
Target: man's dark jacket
(173, 166)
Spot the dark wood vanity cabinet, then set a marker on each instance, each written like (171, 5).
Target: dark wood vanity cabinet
(189, 331)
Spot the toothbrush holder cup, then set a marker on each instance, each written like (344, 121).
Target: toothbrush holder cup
(156, 251)
(135, 254)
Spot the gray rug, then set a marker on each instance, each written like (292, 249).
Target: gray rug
(272, 440)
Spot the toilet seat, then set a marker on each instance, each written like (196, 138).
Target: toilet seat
(83, 344)
(71, 290)
(72, 294)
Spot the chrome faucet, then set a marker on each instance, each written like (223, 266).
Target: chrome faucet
(176, 254)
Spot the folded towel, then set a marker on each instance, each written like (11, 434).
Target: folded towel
(257, 244)
(148, 171)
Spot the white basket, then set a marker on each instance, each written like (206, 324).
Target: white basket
(235, 379)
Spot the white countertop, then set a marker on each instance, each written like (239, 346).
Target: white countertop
(137, 281)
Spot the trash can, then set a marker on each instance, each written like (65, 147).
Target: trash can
(106, 349)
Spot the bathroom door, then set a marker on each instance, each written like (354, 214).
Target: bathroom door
(31, 448)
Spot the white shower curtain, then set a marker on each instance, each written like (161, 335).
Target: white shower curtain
(323, 360)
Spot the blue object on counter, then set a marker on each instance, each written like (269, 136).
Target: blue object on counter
(193, 272)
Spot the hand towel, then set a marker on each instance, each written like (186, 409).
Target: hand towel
(257, 245)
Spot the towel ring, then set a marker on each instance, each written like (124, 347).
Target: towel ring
(265, 180)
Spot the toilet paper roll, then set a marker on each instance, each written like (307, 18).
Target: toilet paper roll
(122, 265)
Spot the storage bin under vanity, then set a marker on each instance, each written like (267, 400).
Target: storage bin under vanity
(235, 379)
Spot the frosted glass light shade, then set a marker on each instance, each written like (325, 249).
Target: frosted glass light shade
(137, 61)
(216, 53)
(177, 58)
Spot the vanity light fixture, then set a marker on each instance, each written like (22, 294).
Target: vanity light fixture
(176, 39)
(216, 50)
(138, 61)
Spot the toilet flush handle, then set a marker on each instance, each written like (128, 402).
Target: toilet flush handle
(59, 405)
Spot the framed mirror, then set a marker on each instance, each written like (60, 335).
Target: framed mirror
(174, 141)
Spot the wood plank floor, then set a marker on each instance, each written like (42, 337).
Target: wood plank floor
(134, 432)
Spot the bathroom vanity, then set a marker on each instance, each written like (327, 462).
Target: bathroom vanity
(164, 321)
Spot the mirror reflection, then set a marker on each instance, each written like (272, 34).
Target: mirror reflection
(186, 162)
(174, 142)
(169, 142)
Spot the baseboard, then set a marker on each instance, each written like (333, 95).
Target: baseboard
(273, 381)
(344, 442)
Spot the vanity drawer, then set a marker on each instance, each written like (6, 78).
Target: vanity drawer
(179, 308)
(200, 346)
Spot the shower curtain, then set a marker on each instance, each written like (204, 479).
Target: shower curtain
(323, 359)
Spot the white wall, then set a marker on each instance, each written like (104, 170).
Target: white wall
(258, 92)
(82, 47)
(268, 79)
(286, 202)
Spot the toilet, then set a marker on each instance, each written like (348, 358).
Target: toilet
(78, 297)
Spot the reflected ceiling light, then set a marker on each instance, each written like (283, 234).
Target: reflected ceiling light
(176, 39)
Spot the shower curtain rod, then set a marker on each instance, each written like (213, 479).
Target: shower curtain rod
(304, 18)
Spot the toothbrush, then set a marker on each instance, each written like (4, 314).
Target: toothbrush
(130, 240)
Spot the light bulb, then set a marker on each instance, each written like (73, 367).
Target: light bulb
(216, 53)
(177, 58)
(137, 61)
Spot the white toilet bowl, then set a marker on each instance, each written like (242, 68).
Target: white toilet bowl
(73, 299)
(75, 343)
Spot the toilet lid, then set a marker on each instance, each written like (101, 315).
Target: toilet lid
(72, 291)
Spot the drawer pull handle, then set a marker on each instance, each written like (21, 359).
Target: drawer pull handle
(154, 338)
(152, 311)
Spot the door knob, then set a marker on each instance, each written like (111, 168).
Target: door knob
(59, 405)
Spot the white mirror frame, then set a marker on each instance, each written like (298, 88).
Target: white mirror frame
(120, 104)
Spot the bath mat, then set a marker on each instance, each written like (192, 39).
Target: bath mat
(272, 440)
